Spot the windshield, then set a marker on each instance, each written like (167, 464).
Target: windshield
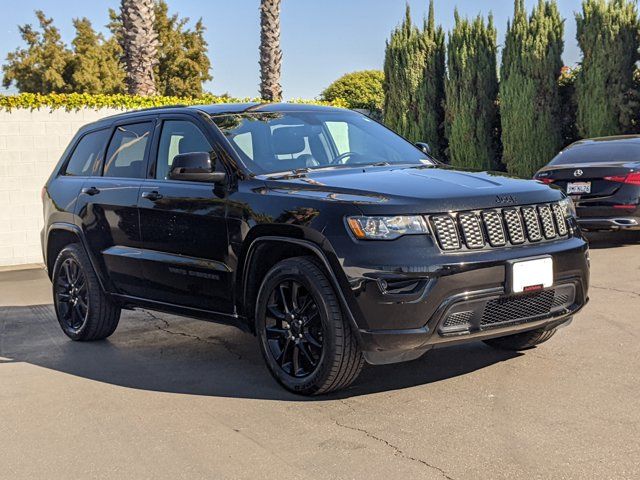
(282, 142)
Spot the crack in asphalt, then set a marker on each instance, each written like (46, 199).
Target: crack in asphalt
(210, 340)
(619, 290)
(396, 450)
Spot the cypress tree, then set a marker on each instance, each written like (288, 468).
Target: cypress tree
(431, 96)
(607, 32)
(414, 81)
(471, 94)
(529, 98)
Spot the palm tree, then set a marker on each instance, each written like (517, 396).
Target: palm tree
(270, 53)
(140, 45)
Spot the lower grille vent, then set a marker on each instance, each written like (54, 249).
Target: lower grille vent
(457, 320)
(508, 309)
(472, 315)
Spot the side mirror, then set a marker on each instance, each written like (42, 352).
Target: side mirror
(195, 167)
(424, 147)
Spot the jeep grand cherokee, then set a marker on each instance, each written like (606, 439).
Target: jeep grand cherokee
(328, 236)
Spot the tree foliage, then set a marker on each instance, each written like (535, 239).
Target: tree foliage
(471, 94)
(414, 81)
(359, 90)
(607, 97)
(183, 64)
(94, 67)
(42, 65)
(94, 64)
(529, 96)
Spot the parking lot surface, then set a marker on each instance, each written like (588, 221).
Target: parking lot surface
(169, 397)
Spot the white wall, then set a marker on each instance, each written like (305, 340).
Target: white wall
(31, 143)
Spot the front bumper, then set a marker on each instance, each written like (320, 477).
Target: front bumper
(405, 310)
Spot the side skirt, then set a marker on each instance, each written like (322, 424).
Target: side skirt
(233, 320)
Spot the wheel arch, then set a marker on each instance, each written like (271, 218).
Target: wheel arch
(264, 251)
(61, 234)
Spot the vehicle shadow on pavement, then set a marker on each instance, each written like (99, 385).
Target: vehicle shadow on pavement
(165, 353)
(598, 240)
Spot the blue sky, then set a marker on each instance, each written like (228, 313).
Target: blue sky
(321, 39)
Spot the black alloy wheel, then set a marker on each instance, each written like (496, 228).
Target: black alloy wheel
(83, 309)
(307, 342)
(294, 329)
(72, 298)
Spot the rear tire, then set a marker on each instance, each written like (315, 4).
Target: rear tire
(84, 312)
(521, 341)
(307, 344)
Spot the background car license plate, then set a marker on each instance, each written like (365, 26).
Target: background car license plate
(531, 275)
(578, 187)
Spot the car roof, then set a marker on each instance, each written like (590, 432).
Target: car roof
(629, 139)
(230, 108)
(215, 109)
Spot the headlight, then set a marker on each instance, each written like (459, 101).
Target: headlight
(568, 207)
(387, 228)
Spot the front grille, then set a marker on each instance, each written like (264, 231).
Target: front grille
(512, 308)
(499, 227)
(514, 225)
(446, 232)
(471, 230)
(532, 223)
(495, 229)
(558, 215)
(548, 227)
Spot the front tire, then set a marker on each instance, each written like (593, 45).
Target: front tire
(521, 341)
(84, 312)
(308, 345)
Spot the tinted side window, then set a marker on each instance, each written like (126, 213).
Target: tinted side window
(127, 150)
(86, 159)
(178, 136)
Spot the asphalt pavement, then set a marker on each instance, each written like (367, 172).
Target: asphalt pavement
(170, 397)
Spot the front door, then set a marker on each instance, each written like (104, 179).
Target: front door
(108, 209)
(184, 229)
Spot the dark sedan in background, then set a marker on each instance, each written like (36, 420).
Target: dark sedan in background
(602, 176)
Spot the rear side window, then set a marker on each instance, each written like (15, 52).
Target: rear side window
(127, 151)
(86, 159)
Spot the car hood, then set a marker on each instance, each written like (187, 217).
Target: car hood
(428, 189)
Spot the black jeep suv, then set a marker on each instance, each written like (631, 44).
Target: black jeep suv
(330, 237)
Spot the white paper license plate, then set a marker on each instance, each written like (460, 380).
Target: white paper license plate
(578, 187)
(531, 275)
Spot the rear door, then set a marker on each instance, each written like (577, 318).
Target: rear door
(183, 225)
(108, 209)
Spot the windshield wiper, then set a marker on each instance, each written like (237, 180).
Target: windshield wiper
(305, 170)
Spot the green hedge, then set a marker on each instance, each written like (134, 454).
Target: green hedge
(76, 101)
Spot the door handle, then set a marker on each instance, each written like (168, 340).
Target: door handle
(90, 191)
(153, 196)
